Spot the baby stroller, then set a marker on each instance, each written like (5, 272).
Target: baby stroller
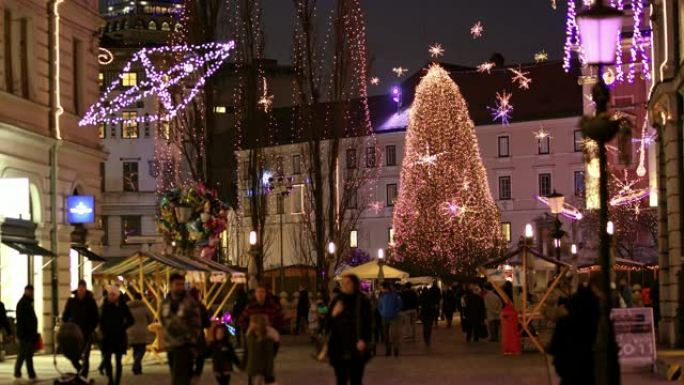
(72, 345)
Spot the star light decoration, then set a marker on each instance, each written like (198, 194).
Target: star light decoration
(476, 30)
(454, 211)
(175, 84)
(521, 78)
(375, 80)
(541, 56)
(436, 50)
(400, 71)
(541, 134)
(502, 110)
(266, 100)
(486, 67)
(376, 206)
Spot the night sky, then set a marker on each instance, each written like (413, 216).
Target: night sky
(399, 32)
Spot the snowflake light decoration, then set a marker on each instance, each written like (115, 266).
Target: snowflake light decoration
(400, 71)
(173, 84)
(486, 67)
(436, 50)
(541, 133)
(521, 78)
(502, 110)
(627, 194)
(266, 100)
(476, 30)
(375, 80)
(376, 206)
(541, 56)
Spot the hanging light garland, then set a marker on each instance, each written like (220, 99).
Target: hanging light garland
(160, 82)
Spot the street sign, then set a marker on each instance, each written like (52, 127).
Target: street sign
(635, 335)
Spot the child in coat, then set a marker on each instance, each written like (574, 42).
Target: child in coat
(261, 351)
(223, 356)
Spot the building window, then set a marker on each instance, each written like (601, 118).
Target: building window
(352, 199)
(391, 155)
(544, 184)
(24, 57)
(505, 187)
(130, 176)
(544, 145)
(578, 140)
(354, 238)
(165, 26)
(112, 130)
(104, 225)
(146, 126)
(506, 231)
(297, 199)
(503, 147)
(220, 109)
(351, 158)
(103, 177)
(579, 183)
(101, 130)
(178, 27)
(129, 125)
(100, 81)
(296, 164)
(391, 194)
(129, 79)
(280, 167)
(152, 25)
(370, 157)
(77, 75)
(7, 34)
(131, 226)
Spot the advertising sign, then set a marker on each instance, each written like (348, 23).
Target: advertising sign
(635, 334)
(80, 209)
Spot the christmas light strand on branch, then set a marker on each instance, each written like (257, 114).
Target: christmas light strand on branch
(486, 67)
(541, 56)
(477, 30)
(399, 71)
(199, 62)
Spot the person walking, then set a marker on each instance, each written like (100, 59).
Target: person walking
(349, 330)
(4, 321)
(389, 306)
(260, 351)
(82, 310)
(409, 300)
(115, 320)
(436, 294)
(27, 334)
(201, 346)
(238, 307)
(428, 314)
(182, 322)
(138, 335)
(303, 305)
(493, 306)
(474, 313)
(573, 339)
(223, 356)
(263, 305)
(449, 305)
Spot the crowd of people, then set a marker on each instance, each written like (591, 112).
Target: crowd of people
(347, 328)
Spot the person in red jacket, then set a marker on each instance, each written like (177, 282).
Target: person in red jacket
(265, 306)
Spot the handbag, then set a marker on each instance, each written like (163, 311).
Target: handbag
(38, 345)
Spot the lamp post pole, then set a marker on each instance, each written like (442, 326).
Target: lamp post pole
(252, 283)
(282, 187)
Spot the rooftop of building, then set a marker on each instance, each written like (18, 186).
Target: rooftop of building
(541, 101)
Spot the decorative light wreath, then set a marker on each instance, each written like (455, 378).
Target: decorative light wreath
(162, 82)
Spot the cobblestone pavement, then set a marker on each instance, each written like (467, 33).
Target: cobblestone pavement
(450, 361)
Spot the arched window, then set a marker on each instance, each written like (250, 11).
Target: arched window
(178, 27)
(165, 26)
(152, 25)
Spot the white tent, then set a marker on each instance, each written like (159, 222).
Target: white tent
(371, 269)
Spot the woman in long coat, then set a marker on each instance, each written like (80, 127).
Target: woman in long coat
(115, 319)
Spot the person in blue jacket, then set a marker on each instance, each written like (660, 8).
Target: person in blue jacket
(390, 306)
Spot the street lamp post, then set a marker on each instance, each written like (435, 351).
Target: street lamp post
(381, 264)
(598, 26)
(527, 242)
(252, 267)
(556, 202)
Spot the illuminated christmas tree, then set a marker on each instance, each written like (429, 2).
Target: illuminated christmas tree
(445, 220)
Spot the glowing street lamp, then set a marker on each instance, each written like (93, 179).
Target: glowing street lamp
(332, 248)
(252, 267)
(529, 232)
(381, 264)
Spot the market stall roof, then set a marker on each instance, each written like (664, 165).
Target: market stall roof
(619, 263)
(514, 258)
(153, 262)
(370, 270)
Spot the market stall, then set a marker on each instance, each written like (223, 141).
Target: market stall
(373, 270)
